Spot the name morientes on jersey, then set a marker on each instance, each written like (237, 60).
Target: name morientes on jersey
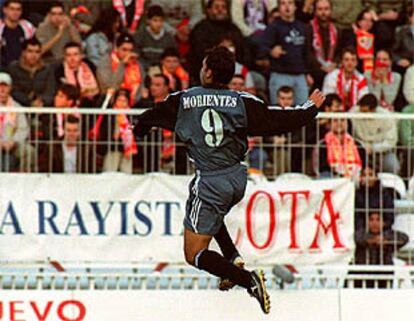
(209, 100)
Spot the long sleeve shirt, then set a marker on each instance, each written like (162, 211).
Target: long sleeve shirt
(214, 123)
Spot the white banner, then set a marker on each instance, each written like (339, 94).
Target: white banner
(167, 305)
(116, 217)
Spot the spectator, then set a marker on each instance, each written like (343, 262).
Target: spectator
(182, 39)
(379, 136)
(388, 15)
(377, 245)
(131, 13)
(332, 104)
(346, 81)
(404, 43)
(407, 126)
(382, 82)
(344, 13)
(364, 40)
(408, 88)
(239, 68)
(121, 69)
(251, 16)
(287, 43)
(238, 83)
(13, 31)
(170, 66)
(371, 195)
(14, 131)
(101, 38)
(159, 88)
(339, 154)
(116, 140)
(55, 32)
(209, 31)
(51, 125)
(33, 81)
(325, 40)
(77, 72)
(178, 10)
(88, 11)
(68, 155)
(153, 39)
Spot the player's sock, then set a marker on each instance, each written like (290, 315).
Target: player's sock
(217, 265)
(226, 244)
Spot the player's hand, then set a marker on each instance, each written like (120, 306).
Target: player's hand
(317, 97)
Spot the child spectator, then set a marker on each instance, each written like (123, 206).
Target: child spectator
(152, 40)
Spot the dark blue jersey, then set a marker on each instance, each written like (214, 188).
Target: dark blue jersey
(214, 122)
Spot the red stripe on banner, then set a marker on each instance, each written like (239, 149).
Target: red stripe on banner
(57, 266)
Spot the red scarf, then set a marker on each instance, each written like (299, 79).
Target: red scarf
(318, 43)
(139, 11)
(343, 157)
(365, 47)
(351, 98)
(83, 77)
(132, 75)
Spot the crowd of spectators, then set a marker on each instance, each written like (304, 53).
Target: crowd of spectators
(132, 53)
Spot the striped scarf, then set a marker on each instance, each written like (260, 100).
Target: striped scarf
(318, 43)
(343, 157)
(8, 122)
(119, 6)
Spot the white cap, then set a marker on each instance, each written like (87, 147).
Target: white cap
(5, 78)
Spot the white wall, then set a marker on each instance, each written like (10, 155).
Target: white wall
(188, 305)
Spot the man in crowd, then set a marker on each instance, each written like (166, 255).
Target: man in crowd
(346, 81)
(325, 40)
(68, 155)
(379, 136)
(13, 31)
(77, 72)
(207, 33)
(14, 131)
(55, 32)
(33, 81)
(121, 69)
(287, 43)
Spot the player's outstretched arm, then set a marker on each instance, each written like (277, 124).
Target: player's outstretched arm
(163, 115)
(266, 120)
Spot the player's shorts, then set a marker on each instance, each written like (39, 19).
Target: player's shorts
(212, 195)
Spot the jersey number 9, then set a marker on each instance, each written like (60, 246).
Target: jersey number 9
(213, 126)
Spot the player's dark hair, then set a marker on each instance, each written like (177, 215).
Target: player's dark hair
(155, 11)
(285, 90)
(221, 62)
(31, 42)
(369, 100)
(70, 91)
